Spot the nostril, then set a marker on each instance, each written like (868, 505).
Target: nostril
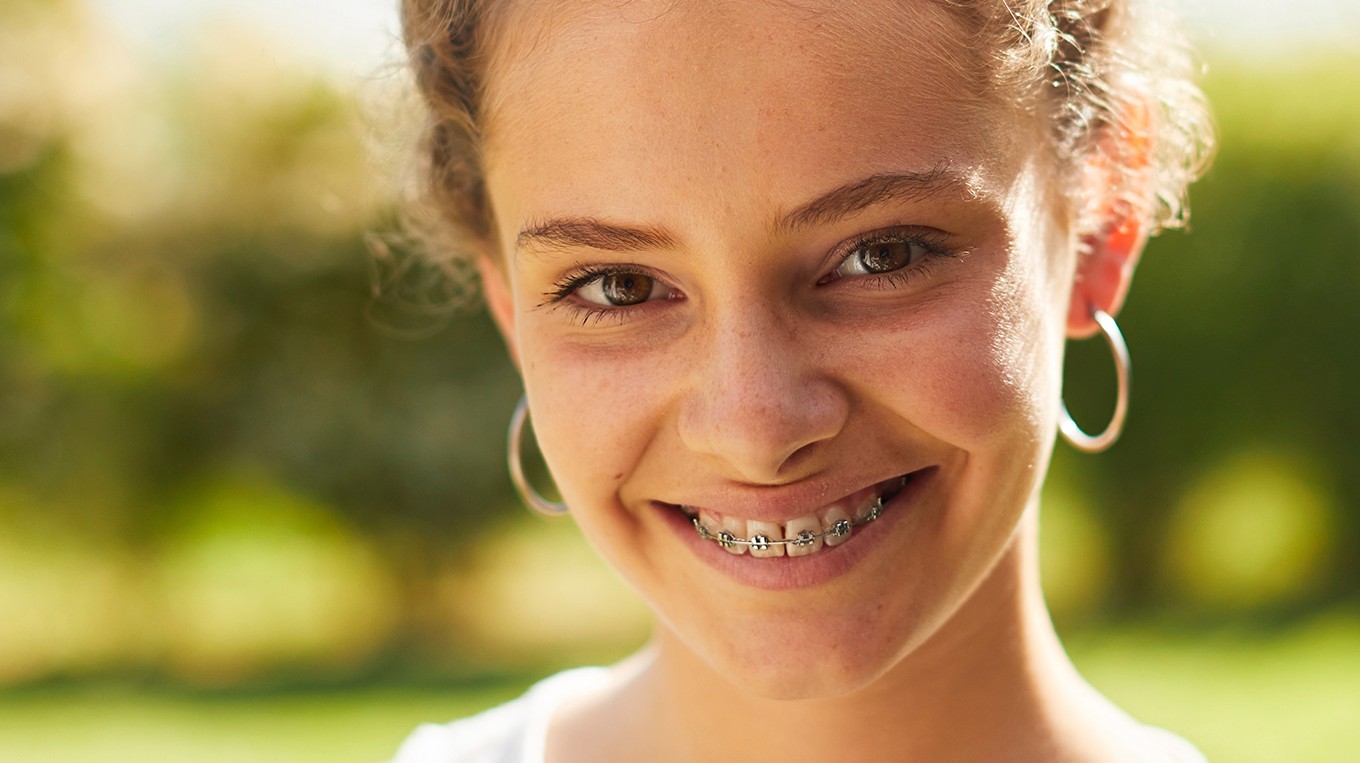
(796, 462)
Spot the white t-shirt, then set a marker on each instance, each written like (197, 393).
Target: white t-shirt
(517, 731)
(512, 733)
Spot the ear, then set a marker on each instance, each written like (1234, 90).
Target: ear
(500, 301)
(1116, 182)
(1105, 271)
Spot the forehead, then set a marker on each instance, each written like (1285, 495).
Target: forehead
(733, 104)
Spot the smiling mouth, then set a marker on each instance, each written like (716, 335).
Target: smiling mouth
(829, 526)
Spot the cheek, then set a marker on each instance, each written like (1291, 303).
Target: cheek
(976, 371)
(1022, 359)
(594, 413)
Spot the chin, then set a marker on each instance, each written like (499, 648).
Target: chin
(826, 682)
(830, 676)
(811, 656)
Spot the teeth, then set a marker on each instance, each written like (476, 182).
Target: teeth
(737, 529)
(801, 536)
(898, 485)
(710, 521)
(760, 534)
(829, 526)
(805, 533)
(868, 509)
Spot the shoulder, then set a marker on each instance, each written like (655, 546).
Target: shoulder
(489, 737)
(1175, 749)
(511, 733)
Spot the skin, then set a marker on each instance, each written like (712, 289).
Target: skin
(761, 378)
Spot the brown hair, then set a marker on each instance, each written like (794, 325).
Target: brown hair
(1096, 67)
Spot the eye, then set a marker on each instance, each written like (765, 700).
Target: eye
(883, 256)
(621, 289)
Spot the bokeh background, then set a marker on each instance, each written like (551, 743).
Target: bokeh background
(252, 492)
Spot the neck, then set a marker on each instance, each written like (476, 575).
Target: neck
(992, 683)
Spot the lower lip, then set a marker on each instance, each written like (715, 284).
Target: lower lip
(783, 573)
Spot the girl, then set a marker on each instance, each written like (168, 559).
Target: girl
(788, 283)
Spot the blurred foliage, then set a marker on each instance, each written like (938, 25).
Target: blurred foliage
(1244, 347)
(237, 435)
(1239, 698)
(191, 310)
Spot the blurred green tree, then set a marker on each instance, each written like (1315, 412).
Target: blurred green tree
(187, 289)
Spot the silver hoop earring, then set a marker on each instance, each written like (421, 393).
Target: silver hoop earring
(1073, 433)
(526, 491)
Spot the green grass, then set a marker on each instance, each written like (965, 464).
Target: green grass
(1240, 697)
(125, 725)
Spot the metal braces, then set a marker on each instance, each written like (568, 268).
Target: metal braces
(840, 529)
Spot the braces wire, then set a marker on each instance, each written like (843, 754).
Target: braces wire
(840, 529)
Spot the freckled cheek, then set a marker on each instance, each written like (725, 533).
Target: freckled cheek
(594, 414)
(970, 382)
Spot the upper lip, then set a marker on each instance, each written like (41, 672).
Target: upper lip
(777, 503)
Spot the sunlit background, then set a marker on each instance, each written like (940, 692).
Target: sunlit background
(252, 492)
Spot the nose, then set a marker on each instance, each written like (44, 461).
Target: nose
(761, 400)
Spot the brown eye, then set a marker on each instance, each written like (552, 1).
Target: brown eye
(622, 289)
(880, 257)
(886, 256)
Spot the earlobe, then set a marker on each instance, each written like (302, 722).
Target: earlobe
(500, 301)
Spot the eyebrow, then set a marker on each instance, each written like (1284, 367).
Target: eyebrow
(569, 232)
(838, 203)
(858, 195)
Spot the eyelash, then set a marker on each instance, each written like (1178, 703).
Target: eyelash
(560, 294)
(931, 241)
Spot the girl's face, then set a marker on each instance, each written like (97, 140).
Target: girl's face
(760, 261)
